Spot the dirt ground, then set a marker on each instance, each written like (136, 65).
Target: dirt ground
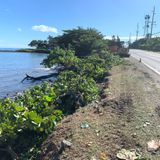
(127, 119)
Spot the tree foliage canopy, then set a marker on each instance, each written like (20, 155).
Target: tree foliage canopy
(152, 44)
(65, 58)
(39, 44)
(83, 41)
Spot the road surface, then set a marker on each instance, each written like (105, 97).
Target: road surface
(150, 59)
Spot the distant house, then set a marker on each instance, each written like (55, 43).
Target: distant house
(115, 44)
(114, 48)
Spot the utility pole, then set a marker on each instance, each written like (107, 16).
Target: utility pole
(146, 27)
(152, 22)
(129, 42)
(137, 32)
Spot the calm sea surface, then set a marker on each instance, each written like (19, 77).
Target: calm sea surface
(14, 66)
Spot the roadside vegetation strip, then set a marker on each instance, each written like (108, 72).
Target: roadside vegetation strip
(29, 118)
(152, 44)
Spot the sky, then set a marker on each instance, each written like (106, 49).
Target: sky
(21, 21)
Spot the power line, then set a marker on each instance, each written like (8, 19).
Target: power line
(155, 33)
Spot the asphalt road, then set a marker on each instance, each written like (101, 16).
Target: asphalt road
(150, 59)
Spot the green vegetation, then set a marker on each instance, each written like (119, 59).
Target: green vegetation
(33, 50)
(39, 44)
(74, 91)
(152, 44)
(116, 42)
(117, 46)
(76, 85)
(29, 118)
(65, 58)
(83, 41)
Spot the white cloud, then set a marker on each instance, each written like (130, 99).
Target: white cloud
(19, 29)
(44, 28)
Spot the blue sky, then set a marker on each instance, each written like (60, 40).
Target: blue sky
(25, 20)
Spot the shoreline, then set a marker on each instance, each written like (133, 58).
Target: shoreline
(27, 51)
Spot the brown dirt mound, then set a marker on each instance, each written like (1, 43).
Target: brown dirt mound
(103, 137)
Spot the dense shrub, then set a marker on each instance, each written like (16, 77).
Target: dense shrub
(123, 52)
(152, 44)
(29, 115)
(76, 85)
(94, 66)
(65, 58)
(74, 90)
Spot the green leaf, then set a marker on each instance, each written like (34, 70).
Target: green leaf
(47, 98)
(34, 117)
(19, 108)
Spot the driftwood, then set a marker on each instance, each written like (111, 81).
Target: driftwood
(39, 78)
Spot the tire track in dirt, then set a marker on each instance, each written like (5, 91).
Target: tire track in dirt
(141, 85)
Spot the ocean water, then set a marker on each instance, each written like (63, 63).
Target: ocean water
(14, 66)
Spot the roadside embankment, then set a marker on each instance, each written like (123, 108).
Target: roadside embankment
(128, 118)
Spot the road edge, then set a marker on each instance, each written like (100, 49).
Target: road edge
(153, 69)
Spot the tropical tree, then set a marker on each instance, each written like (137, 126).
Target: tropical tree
(58, 56)
(39, 44)
(83, 41)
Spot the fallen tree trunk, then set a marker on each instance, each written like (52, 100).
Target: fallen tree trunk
(39, 78)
